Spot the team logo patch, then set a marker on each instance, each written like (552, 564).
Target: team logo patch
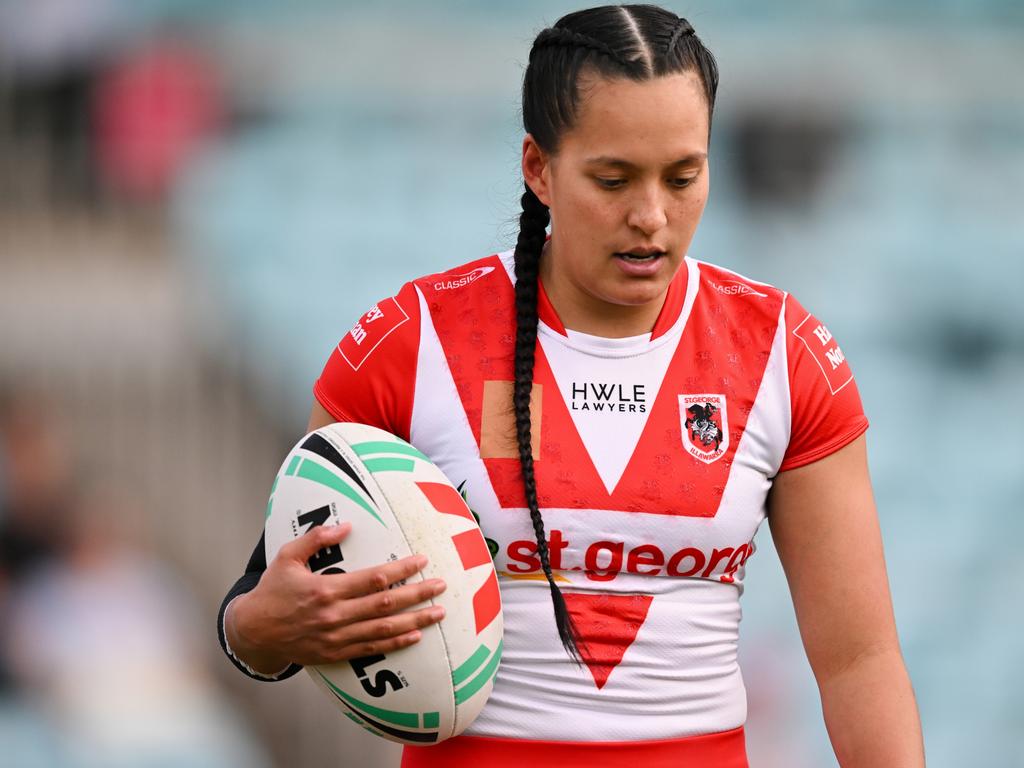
(457, 281)
(373, 327)
(705, 426)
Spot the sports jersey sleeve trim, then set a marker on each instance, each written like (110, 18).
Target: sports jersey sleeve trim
(842, 441)
(331, 407)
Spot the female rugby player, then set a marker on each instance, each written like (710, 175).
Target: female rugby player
(623, 417)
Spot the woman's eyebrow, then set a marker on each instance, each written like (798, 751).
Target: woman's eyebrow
(691, 159)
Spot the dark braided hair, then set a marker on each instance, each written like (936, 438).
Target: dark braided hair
(638, 42)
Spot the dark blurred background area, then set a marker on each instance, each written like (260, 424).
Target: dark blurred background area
(197, 199)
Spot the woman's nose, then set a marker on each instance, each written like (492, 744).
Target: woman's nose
(647, 213)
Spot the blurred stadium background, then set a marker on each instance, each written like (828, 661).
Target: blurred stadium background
(198, 197)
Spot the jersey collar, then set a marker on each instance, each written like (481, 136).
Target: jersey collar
(670, 310)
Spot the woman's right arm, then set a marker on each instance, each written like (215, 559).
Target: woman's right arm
(285, 616)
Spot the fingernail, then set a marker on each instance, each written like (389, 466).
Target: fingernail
(437, 586)
(437, 612)
(420, 560)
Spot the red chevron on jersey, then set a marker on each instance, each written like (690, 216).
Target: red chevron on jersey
(718, 351)
(608, 625)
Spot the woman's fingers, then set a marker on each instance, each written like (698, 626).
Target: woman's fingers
(313, 540)
(365, 638)
(375, 579)
(338, 616)
(336, 652)
(377, 631)
(389, 601)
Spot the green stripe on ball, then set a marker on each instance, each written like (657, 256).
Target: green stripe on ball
(310, 470)
(467, 691)
(382, 446)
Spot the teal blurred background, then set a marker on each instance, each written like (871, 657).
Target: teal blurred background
(198, 198)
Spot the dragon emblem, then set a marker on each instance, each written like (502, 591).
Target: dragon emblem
(704, 425)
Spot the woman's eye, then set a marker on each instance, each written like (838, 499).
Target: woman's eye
(678, 183)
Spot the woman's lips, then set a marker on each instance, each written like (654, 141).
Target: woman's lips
(636, 266)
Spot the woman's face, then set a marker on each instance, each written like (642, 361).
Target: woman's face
(631, 177)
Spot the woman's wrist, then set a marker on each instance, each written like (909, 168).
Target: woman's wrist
(259, 660)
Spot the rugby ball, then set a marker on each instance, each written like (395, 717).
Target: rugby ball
(399, 503)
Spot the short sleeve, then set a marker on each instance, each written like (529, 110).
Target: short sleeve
(370, 376)
(826, 410)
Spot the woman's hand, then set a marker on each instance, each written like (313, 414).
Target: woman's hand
(296, 616)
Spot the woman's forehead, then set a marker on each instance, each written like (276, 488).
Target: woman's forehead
(659, 121)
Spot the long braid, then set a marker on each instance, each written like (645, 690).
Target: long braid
(532, 225)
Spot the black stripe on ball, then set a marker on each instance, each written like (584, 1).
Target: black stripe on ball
(426, 738)
(318, 445)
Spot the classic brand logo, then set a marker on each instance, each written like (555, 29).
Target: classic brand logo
(457, 281)
(705, 425)
(621, 398)
(733, 288)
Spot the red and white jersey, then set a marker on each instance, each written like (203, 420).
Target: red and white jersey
(653, 459)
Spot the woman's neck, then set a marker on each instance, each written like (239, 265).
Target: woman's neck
(580, 311)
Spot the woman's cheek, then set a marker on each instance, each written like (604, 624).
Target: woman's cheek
(597, 207)
(692, 208)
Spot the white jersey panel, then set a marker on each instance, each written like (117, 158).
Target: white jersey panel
(439, 425)
(608, 388)
(609, 385)
(766, 437)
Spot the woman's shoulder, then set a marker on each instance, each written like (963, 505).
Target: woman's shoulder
(726, 282)
(495, 266)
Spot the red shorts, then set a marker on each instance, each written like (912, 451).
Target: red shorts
(714, 750)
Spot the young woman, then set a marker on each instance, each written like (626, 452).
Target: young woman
(623, 418)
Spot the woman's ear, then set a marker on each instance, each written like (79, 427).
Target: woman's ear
(537, 169)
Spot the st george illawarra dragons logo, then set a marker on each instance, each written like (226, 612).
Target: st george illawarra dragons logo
(705, 425)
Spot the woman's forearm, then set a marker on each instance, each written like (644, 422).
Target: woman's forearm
(871, 714)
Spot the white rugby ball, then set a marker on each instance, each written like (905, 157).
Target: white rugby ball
(399, 504)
